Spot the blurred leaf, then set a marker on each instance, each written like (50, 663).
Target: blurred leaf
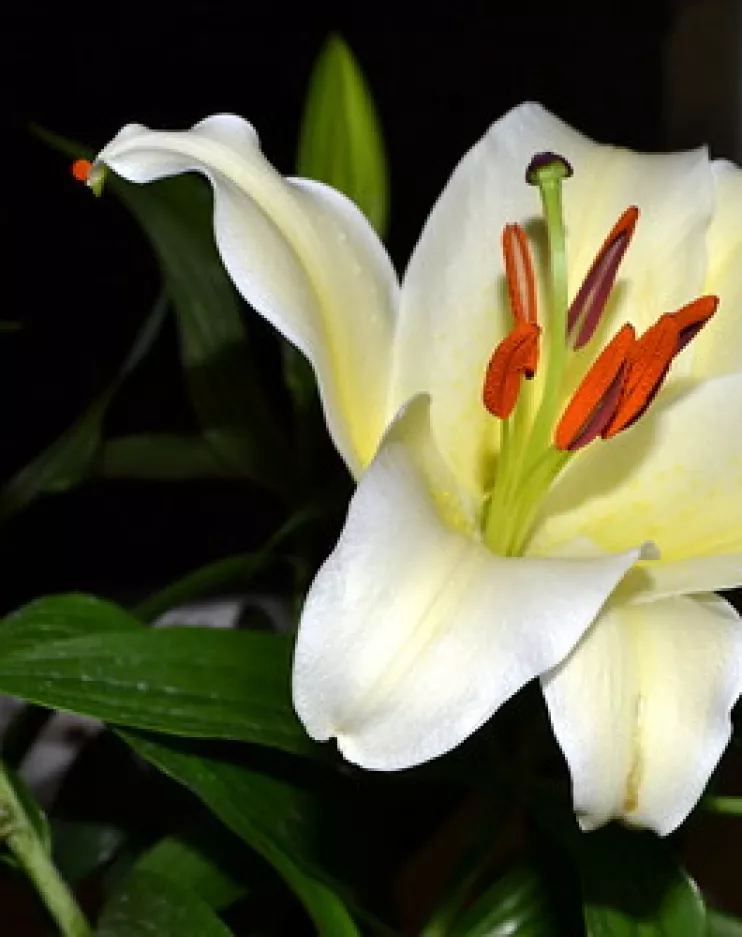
(230, 571)
(151, 904)
(341, 141)
(722, 925)
(81, 848)
(70, 458)
(640, 892)
(230, 403)
(185, 862)
(632, 884)
(275, 818)
(161, 457)
(196, 682)
(516, 905)
(176, 216)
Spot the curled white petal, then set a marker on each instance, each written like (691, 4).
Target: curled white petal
(302, 254)
(413, 633)
(641, 708)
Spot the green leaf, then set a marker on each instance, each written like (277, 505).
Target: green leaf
(57, 617)
(161, 457)
(341, 142)
(70, 459)
(516, 905)
(187, 862)
(722, 925)
(151, 904)
(230, 403)
(633, 886)
(275, 818)
(196, 682)
(176, 216)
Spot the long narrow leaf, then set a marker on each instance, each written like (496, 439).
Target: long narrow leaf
(195, 682)
(272, 816)
(71, 458)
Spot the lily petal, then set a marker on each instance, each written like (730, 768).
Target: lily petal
(299, 252)
(453, 307)
(413, 633)
(641, 708)
(719, 347)
(674, 479)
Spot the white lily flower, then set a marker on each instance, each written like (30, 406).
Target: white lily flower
(482, 549)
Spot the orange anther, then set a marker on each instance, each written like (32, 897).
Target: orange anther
(81, 169)
(594, 401)
(514, 358)
(519, 272)
(692, 318)
(651, 357)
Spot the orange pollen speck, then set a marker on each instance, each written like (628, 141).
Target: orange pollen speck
(594, 401)
(81, 169)
(514, 358)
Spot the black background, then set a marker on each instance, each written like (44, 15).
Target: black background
(81, 278)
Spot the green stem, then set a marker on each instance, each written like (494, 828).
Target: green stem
(23, 841)
(731, 806)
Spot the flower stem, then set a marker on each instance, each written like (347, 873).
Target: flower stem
(23, 841)
(732, 806)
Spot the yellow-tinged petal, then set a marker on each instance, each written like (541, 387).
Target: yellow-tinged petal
(641, 708)
(674, 479)
(413, 633)
(453, 306)
(718, 350)
(300, 253)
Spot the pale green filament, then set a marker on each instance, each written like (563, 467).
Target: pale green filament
(528, 462)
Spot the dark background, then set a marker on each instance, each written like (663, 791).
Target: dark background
(82, 279)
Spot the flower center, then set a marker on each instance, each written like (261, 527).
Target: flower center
(538, 437)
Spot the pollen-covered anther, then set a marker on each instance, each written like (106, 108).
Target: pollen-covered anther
(588, 305)
(594, 402)
(514, 358)
(80, 169)
(519, 272)
(650, 359)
